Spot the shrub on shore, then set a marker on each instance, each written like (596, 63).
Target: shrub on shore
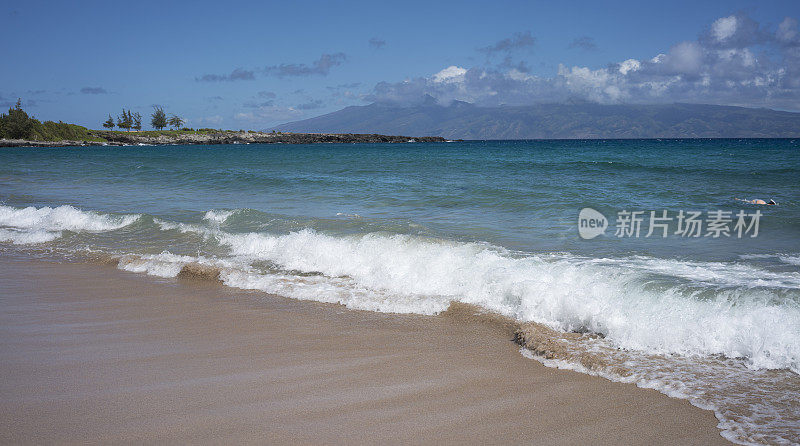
(60, 131)
(17, 124)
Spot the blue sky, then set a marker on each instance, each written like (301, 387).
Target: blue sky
(252, 65)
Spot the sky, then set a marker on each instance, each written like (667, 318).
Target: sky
(253, 65)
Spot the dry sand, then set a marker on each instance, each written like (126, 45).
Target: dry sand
(93, 354)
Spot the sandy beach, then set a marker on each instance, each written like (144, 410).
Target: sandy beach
(93, 354)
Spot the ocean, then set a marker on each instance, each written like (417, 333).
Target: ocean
(678, 286)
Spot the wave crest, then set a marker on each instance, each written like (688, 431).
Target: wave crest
(652, 305)
(32, 225)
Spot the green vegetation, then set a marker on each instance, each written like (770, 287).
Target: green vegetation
(159, 120)
(125, 120)
(61, 131)
(109, 123)
(175, 121)
(17, 124)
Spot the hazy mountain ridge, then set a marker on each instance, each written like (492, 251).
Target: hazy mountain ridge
(586, 120)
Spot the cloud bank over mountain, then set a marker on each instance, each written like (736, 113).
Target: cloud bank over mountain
(735, 61)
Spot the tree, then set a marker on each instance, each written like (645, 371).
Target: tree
(159, 120)
(175, 121)
(125, 120)
(109, 123)
(137, 121)
(17, 124)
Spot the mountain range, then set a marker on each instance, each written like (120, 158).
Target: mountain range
(462, 120)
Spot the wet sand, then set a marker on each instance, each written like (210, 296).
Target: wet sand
(93, 354)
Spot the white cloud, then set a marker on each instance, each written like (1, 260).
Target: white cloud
(450, 74)
(734, 62)
(629, 65)
(596, 85)
(685, 57)
(724, 28)
(517, 75)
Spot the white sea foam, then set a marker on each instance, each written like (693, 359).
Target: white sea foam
(627, 301)
(340, 290)
(23, 237)
(753, 406)
(186, 228)
(38, 225)
(217, 217)
(165, 264)
(792, 260)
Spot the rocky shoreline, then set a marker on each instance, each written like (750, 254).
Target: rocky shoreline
(112, 138)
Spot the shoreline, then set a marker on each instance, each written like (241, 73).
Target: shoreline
(93, 353)
(117, 138)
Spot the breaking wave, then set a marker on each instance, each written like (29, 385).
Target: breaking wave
(32, 225)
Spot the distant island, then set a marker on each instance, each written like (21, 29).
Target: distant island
(18, 129)
(462, 120)
(382, 123)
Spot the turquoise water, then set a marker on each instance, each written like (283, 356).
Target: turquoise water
(523, 195)
(410, 227)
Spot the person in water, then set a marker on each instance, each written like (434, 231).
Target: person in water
(758, 201)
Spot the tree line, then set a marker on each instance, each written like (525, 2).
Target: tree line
(128, 120)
